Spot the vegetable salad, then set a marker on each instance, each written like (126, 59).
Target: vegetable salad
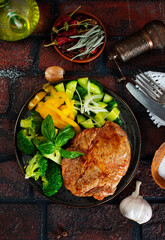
(57, 114)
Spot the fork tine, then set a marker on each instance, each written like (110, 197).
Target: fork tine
(150, 79)
(148, 87)
(144, 89)
(151, 87)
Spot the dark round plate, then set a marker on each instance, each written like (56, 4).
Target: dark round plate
(65, 197)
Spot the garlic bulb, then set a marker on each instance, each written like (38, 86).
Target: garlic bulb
(135, 207)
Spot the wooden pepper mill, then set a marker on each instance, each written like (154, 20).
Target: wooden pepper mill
(151, 36)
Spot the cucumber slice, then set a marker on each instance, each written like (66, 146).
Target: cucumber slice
(118, 121)
(95, 86)
(60, 87)
(98, 97)
(88, 123)
(82, 93)
(83, 82)
(95, 89)
(107, 98)
(80, 118)
(111, 105)
(69, 94)
(114, 113)
(99, 118)
(70, 89)
(71, 85)
(102, 104)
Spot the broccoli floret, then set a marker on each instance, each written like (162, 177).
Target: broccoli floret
(52, 181)
(32, 123)
(24, 142)
(55, 156)
(36, 167)
(38, 140)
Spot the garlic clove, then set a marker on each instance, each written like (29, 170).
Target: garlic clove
(136, 208)
(146, 212)
(54, 73)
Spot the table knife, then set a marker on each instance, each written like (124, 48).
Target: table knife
(147, 102)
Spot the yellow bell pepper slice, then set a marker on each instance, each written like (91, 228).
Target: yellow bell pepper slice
(49, 89)
(64, 110)
(60, 107)
(38, 97)
(67, 120)
(65, 97)
(45, 86)
(54, 102)
(45, 111)
(71, 114)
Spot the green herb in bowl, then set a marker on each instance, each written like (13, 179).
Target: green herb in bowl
(79, 39)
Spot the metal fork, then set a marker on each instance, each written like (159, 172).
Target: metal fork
(150, 87)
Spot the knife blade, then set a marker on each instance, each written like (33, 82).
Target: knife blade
(147, 102)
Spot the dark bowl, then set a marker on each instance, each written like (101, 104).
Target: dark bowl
(85, 60)
(65, 197)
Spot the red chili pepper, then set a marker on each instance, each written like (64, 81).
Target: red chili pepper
(74, 23)
(61, 20)
(65, 18)
(94, 51)
(70, 32)
(63, 40)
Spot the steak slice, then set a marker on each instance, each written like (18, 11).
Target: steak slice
(106, 159)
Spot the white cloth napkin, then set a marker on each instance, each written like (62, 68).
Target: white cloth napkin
(159, 77)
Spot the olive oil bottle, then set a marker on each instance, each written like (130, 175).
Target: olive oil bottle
(18, 19)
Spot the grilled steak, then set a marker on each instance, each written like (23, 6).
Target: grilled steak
(106, 159)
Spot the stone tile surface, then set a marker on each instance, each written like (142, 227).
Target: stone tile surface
(20, 221)
(12, 182)
(4, 95)
(103, 222)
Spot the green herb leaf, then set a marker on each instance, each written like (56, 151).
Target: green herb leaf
(72, 154)
(86, 25)
(90, 40)
(48, 129)
(64, 136)
(47, 148)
